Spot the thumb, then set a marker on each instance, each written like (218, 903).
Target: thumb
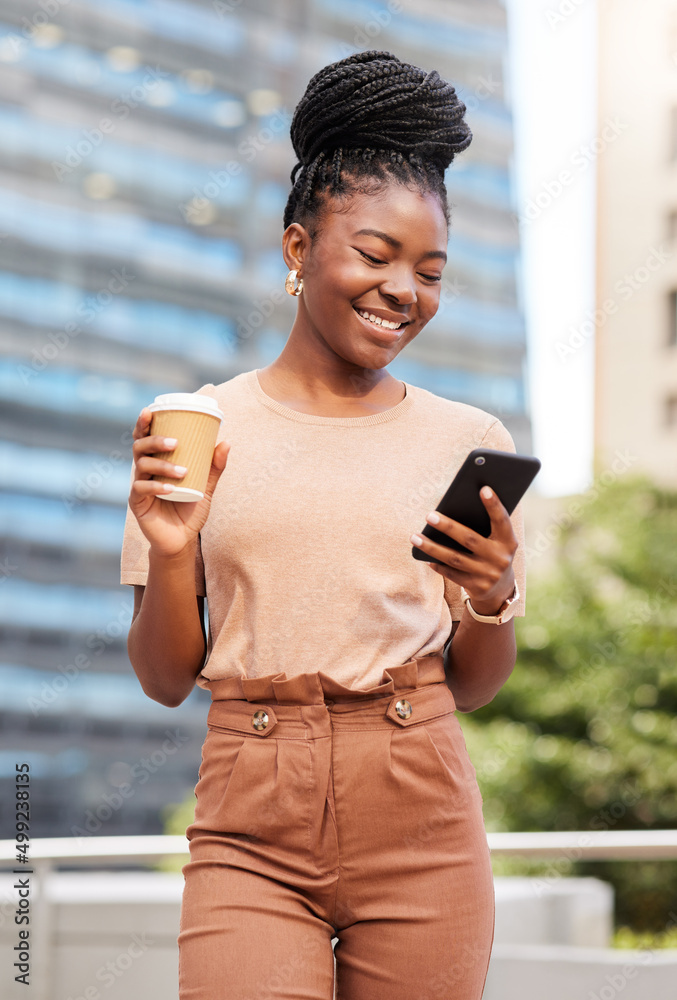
(219, 460)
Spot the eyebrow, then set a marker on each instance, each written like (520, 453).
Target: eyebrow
(395, 244)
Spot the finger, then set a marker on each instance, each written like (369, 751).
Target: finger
(153, 444)
(454, 529)
(149, 488)
(142, 425)
(221, 455)
(450, 557)
(501, 525)
(218, 465)
(143, 494)
(149, 465)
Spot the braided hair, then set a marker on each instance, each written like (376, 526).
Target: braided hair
(368, 119)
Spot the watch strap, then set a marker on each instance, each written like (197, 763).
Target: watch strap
(506, 610)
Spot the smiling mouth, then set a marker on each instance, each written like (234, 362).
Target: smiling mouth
(383, 324)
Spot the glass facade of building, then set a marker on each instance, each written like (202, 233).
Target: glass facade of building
(144, 169)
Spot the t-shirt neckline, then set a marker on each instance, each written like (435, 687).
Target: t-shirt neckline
(311, 418)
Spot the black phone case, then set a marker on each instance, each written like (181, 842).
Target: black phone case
(509, 475)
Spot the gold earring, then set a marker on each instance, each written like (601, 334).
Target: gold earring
(289, 283)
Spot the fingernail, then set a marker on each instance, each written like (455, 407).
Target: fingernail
(170, 443)
(487, 493)
(416, 539)
(433, 518)
(181, 470)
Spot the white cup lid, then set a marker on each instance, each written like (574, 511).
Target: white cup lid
(193, 401)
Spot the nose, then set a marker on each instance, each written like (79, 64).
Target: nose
(401, 287)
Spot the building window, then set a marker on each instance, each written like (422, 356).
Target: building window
(671, 412)
(672, 319)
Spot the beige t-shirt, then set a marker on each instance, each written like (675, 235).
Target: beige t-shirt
(305, 558)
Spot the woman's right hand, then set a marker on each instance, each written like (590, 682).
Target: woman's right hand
(168, 526)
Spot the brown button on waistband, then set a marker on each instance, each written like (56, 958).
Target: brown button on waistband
(260, 720)
(403, 708)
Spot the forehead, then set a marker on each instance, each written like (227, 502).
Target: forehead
(411, 217)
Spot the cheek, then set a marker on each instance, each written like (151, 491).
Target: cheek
(338, 279)
(429, 302)
(349, 280)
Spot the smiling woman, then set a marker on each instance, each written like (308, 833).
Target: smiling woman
(335, 796)
(368, 290)
(374, 137)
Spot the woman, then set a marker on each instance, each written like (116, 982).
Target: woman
(335, 796)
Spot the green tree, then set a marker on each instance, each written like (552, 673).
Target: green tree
(584, 734)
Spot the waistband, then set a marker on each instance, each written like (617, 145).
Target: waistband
(318, 688)
(313, 705)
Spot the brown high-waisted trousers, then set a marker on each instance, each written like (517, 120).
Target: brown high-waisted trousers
(324, 812)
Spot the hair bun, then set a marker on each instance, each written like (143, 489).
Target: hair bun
(373, 100)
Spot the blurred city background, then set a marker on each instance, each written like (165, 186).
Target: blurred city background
(144, 169)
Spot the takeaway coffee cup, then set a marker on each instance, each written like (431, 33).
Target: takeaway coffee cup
(194, 420)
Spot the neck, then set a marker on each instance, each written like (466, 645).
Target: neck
(317, 374)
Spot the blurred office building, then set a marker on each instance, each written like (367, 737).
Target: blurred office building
(636, 308)
(144, 169)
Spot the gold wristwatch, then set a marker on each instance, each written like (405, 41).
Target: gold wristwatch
(505, 613)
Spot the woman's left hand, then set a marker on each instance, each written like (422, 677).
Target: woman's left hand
(486, 571)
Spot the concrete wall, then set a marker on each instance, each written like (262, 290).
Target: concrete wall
(112, 936)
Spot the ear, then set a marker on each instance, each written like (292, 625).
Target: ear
(295, 245)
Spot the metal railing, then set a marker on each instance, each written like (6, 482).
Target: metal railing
(586, 845)
(49, 853)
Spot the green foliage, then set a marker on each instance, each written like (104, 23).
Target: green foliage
(584, 734)
(177, 816)
(630, 940)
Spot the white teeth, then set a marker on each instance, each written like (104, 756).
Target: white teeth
(378, 321)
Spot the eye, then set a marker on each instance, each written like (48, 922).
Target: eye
(432, 277)
(373, 260)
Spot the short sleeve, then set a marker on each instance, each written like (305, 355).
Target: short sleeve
(134, 556)
(499, 438)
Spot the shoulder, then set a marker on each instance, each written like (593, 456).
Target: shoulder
(224, 390)
(461, 419)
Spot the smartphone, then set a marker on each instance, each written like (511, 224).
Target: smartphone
(506, 473)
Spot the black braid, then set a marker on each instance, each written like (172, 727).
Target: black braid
(368, 119)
